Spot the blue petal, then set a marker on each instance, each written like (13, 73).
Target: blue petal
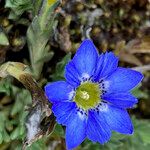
(83, 64)
(72, 75)
(63, 111)
(107, 63)
(123, 100)
(117, 118)
(59, 91)
(122, 80)
(75, 131)
(97, 128)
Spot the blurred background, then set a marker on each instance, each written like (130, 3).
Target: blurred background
(44, 34)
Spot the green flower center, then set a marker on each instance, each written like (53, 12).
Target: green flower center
(87, 95)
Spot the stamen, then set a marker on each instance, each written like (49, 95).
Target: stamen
(87, 95)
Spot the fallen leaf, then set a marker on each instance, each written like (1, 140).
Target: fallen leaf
(139, 45)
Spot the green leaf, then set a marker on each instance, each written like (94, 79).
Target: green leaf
(139, 93)
(18, 7)
(6, 137)
(60, 68)
(138, 141)
(39, 144)
(23, 97)
(15, 133)
(59, 130)
(38, 35)
(3, 38)
(1, 138)
(14, 128)
(5, 86)
(142, 130)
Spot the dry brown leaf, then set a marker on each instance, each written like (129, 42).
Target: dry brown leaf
(129, 58)
(121, 49)
(139, 45)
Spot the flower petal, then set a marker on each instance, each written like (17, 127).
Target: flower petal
(84, 62)
(117, 118)
(97, 128)
(72, 75)
(59, 91)
(63, 111)
(107, 63)
(123, 100)
(75, 131)
(122, 80)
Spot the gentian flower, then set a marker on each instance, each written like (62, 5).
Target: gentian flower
(93, 100)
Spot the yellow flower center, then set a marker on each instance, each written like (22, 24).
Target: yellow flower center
(87, 95)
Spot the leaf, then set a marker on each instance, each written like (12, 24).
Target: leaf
(139, 93)
(126, 51)
(18, 7)
(40, 144)
(60, 67)
(142, 129)
(145, 135)
(129, 58)
(1, 138)
(3, 38)
(40, 120)
(5, 86)
(6, 137)
(39, 33)
(22, 98)
(17, 111)
(139, 45)
(59, 130)
(15, 133)
(139, 140)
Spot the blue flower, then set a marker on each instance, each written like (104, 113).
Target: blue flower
(93, 100)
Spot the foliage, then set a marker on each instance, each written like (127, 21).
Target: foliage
(59, 70)
(139, 93)
(13, 116)
(38, 35)
(18, 7)
(138, 141)
(117, 23)
(3, 38)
